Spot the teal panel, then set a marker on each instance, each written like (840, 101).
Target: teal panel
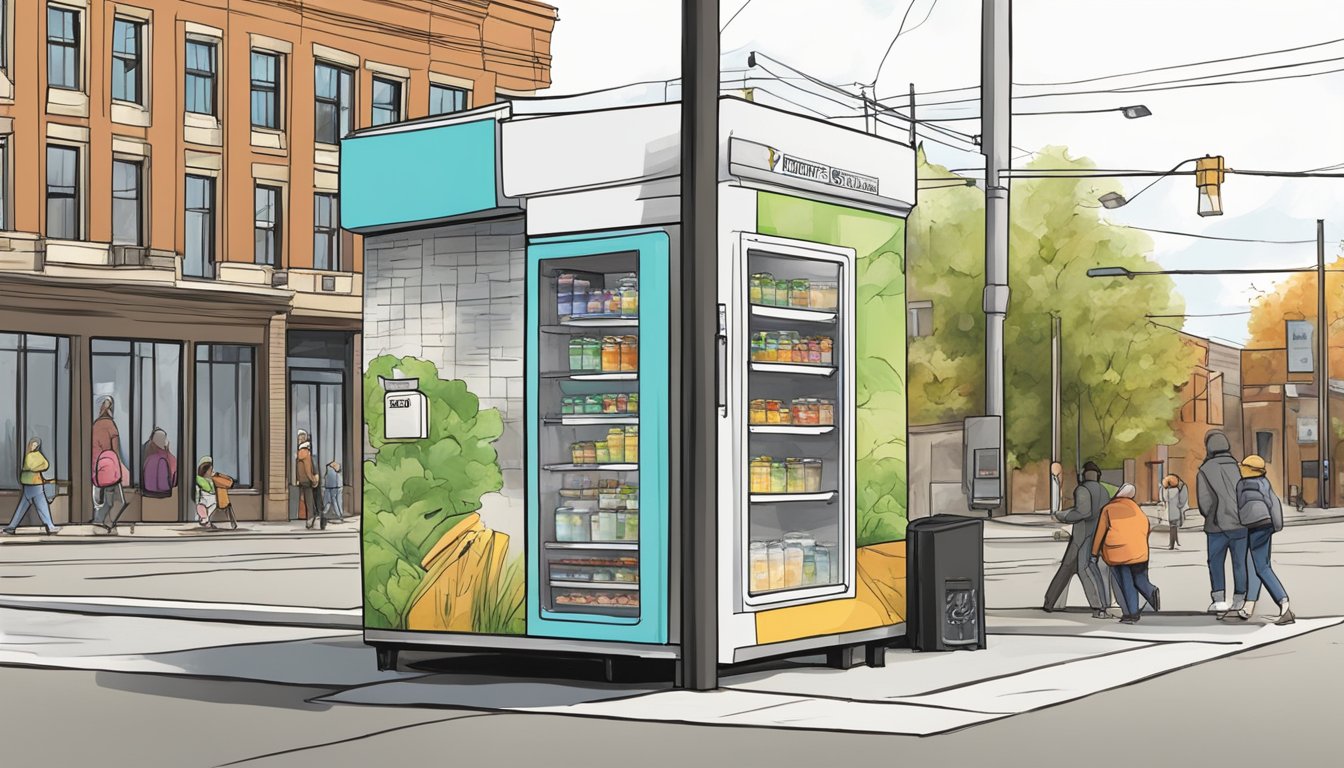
(419, 174)
(654, 440)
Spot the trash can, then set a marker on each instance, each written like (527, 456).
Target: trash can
(945, 583)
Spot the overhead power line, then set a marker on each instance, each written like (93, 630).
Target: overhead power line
(1185, 66)
(1220, 239)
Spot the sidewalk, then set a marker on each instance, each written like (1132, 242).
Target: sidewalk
(36, 534)
(1040, 526)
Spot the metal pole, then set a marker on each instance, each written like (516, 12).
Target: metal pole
(1323, 431)
(914, 139)
(1054, 387)
(697, 489)
(996, 116)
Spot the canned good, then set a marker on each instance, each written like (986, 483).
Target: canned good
(633, 403)
(756, 412)
(629, 353)
(760, 475)
(811, 475)
(566, 405)
(800, 293)
(794, 479)
(592, 404)
(761, 290)
(779, 477)
(616, 443)
(592, 355)
(622, 403)
(576, 453)
(632, 445)
(826, 412)
(601, 452)
(772, 410)
(576, 350)
(825, 295)
(827, 345)
(759, 558)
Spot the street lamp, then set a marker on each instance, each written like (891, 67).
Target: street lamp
(1135, 112)
(1110, 272)
(1112, 200)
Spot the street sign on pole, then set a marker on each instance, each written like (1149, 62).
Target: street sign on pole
(1301, 358)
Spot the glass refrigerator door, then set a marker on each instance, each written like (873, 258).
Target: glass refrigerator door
(597, 470)
(798, 494)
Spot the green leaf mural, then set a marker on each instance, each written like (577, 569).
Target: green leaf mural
(415, 491)
(880, 347)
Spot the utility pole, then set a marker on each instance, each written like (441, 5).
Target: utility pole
(995, 118)
(1055, 323)
(1324, 434)
(696, 493)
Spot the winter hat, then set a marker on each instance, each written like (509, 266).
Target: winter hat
(204, 460)
(1252, 466)
(1126, 491)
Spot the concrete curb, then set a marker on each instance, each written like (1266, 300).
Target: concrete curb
(233, 613)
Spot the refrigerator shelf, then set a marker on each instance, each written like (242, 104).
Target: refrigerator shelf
(602, 585)
(593, 420)
(792, 498)
(599, 321)
(616, 467)
(809, 370)
(790, 429)
(594, 375)
(602, 546)
(798, 315)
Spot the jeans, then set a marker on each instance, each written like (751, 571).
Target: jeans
(331, 500)
(103, 503)
(1076, 562)
(1134, 581)
(35, 497)
(1220, 543)
(1260, 540)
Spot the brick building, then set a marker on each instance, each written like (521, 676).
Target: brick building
(169, 221)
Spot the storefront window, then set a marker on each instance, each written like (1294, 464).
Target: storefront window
(224, 384)
(144, 380)
(34, 402)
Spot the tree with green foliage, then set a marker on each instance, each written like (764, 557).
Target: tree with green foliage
(1123, 370)
(416, 490)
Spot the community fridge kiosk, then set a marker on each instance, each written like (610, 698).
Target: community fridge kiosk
(522, 270)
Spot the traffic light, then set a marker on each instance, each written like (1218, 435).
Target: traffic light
(1209, 172)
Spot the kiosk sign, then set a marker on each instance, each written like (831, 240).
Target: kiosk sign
(797, 167)
(1300, 358)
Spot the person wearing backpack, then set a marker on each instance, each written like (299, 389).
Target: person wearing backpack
(109, 471)
(159, 475)
(34, 490)
(1088, 499)
(1260, 510)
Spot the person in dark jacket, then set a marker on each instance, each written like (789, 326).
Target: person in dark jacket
(1261, 512)
(1088, 500)
(1216, 492)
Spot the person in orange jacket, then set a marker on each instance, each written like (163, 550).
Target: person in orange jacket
(1122, 541)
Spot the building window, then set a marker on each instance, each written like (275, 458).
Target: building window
(4, 180)
(4, 35)
(265, 90)
(386, 101)
(34, 402)
(144, 381)
(63, 48)
(1264, 446)
(919, 319)
(267, 225)
(201, 77)
(63, 209)
(326, 232)
(335, 94)
(445, 99)
(224, 389)
(1215, 404)
(127, 65)
(128, 210)
(199, 260)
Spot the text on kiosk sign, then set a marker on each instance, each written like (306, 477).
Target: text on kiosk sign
(824, 174)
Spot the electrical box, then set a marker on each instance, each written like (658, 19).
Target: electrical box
(405, 410)
(982, 462)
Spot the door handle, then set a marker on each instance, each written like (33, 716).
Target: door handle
(721, 362)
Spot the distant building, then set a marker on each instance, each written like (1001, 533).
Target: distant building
(169, 221)
(1281, 415)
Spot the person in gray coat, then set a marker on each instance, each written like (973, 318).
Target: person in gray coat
(1216, 492)
(1088, 499)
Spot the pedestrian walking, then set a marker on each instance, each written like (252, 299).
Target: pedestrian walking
(1088, 499)
(34, 490)
(1261, 511)
(306, 478)
(1176, 497)
(1122, 542)
(1216, 493)
(109, 470)
(331, 493)
(158, 475)
(1110, 587)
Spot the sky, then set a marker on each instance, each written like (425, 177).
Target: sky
(1286, 125)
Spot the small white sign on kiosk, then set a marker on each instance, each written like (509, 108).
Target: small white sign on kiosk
(405, 410)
